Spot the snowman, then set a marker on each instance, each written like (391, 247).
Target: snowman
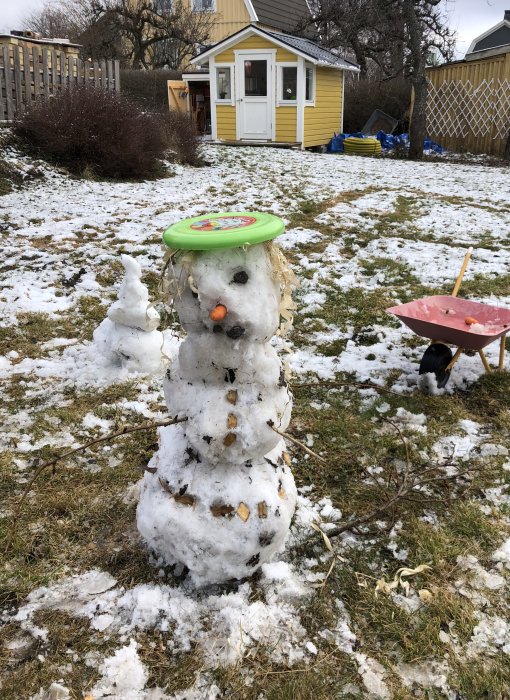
(128, 337)
(218, 496)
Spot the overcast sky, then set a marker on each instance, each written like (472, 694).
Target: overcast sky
(468, 17)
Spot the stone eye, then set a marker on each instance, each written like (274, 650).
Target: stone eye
(240, 277)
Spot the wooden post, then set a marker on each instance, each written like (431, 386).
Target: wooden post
(97, 75)
(63, 76)
(3, 102)
(70, 71)
(506, 153)
(79, 72)
(37, 73)
(54, 79)
(8, 83)
(17, 79)
(104, 82)
(27, 76)
(46, 73)
(501, 364)
(116, 68)
(109, 69)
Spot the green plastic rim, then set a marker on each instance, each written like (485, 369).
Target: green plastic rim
(225, 230)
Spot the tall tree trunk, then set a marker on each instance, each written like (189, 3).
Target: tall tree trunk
(418, 126)
(417, 131)
(506, 154)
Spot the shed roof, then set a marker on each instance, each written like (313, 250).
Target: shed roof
(319, 53)
(299, 45)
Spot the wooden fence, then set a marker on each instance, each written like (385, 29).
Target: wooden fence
(468, 105)
(27, 74)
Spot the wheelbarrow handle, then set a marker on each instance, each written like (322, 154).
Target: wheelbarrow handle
(461, 273)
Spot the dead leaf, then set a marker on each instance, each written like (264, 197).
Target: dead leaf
(281, 492)
(286, 458)
(232, 396)
(231, 421)
(229, 439)
(222, 510)
(425, 595)
(262, 509)
(165, 486)
(243, 511)
(186, 499)
(326, 539)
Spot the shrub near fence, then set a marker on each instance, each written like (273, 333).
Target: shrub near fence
(27, 74)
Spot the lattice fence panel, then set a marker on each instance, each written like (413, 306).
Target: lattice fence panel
(458, 108)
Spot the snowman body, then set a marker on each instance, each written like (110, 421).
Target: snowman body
(219, 496)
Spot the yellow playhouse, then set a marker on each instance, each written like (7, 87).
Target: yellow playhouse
(260, 86)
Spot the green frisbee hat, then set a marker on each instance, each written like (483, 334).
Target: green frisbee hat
(225, 230)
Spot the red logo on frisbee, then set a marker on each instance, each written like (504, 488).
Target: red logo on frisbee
(223, 223)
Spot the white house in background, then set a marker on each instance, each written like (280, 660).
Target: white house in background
(494, 41)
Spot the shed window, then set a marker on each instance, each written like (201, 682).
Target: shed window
(203, 5)
(289, 84)
(310, 84)
(255, 78)
(223, 83)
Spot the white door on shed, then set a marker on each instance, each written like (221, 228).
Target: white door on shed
(254, 96)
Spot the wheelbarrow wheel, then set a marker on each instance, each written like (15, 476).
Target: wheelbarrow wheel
(436, 359)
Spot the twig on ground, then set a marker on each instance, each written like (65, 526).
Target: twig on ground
(410, 481)
(299, 444)
(52, 462)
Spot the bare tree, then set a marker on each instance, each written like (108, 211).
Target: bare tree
(426, 32)
(397, 37)
(59, 19)
(158, 32)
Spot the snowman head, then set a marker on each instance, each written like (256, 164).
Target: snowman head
(239, 293)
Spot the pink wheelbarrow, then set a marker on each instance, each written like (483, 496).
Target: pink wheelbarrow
(468, 325)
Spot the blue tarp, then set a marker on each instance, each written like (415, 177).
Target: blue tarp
(388, 142)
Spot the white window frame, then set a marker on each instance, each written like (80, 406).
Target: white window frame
(311, 101)
(227, 100)
(196, 9)
(279, 85)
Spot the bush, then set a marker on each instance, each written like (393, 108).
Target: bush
(363, 96)
(183, 138)
(104, 134)
(148, 87)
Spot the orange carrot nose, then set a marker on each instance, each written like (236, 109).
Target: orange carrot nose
(218, 313)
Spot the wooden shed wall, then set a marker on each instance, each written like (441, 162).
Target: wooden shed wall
(324, 119)
(469, 105)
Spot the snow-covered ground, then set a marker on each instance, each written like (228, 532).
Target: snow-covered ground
(368, 231)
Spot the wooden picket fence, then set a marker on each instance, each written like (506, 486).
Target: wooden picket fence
(27, 74)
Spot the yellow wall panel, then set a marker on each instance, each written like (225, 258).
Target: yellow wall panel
(324, 119)
(226, 122)
(230, 17)
(286, 121)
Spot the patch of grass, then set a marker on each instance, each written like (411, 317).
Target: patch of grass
(485, 679)
(483, 286)
(395, 272)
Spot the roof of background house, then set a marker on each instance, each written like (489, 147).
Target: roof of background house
(281, 14)
(493, 39)
(308, 49)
